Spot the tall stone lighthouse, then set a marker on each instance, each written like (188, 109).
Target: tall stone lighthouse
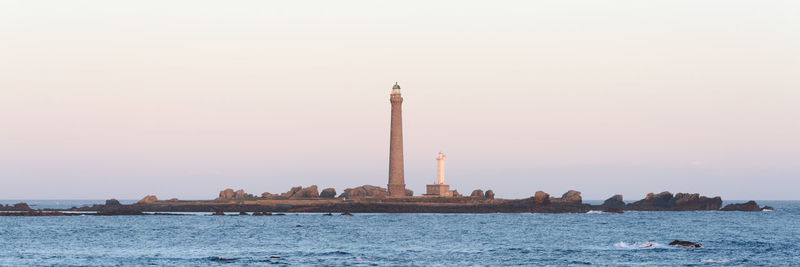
(397, 184)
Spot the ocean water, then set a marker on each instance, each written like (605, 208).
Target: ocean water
(630, 239)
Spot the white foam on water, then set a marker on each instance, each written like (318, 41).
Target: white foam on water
(714, 261)
(594, 212)
(637, 245)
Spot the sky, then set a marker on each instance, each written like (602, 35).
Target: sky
(102, 99)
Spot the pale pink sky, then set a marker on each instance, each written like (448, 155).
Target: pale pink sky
(103, 99)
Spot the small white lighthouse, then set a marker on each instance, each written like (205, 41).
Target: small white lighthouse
(439, 188)
(440, 169)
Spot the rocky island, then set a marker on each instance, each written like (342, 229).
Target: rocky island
(374, 199)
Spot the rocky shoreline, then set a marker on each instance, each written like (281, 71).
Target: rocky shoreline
(372, 199)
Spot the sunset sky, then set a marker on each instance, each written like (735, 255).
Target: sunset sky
(102, 99)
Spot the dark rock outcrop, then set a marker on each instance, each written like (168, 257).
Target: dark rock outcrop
(118, 210)
(35, 213)
(489, 194)
(685, 244)
(22, 206)
(540, 197)
(614, 202)
(477, 193)
(409, 193)
(148, 199)
(747, 206)
(328, 193)
(112, 202)
(308, 192)
(268, 195)
(665, 201)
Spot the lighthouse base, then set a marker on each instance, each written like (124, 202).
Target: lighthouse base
(438, 190)
(397, 190)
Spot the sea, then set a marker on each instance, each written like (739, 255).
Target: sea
(312, 239)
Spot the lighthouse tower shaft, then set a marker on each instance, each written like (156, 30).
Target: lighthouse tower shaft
(397, 185)
(440, 169)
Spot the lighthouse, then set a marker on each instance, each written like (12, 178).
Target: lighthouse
(440, 169)
(439, 188)
(397, 184)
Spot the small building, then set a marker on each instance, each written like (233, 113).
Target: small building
(439, 188)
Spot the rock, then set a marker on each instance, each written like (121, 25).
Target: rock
(409, 193)
(219, 213)
(684, 199)
(268, 195)
(489, 194)
(174, 199)
(747, 206)
(308, 192)
(685, 244)
(614, 202)
(767, 208)
(113, 202)
(119, 210)
(477, 193)
(327, 214)
(572, 196)
(240, 194)
(226, 194)
(243, 213)
(292, 191)
(365, 191)
(665, 201)
(328, 193)
(456, 193)
(148, 199)
(540, 197)
(347, 213)
(22, 206)
(258, 213)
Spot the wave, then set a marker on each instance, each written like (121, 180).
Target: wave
(220, 259)
(714, 261)
(637, 245)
